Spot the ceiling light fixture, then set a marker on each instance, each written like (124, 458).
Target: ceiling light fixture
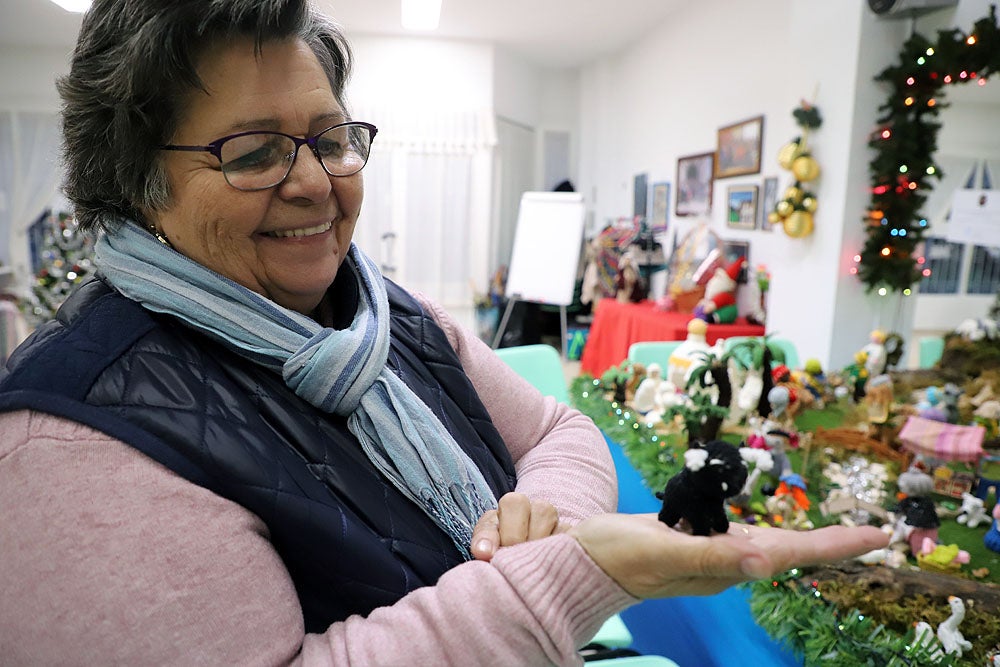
(76, 6)
(421, 14)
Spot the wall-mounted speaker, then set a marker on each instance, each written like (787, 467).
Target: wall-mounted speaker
(907, 8)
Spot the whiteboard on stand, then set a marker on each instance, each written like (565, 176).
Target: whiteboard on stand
(546, 254)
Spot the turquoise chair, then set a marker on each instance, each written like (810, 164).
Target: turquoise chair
(931, 349)
(734, 341)
(652, 351)
(635, 661)
(613, 634)
(540, 365)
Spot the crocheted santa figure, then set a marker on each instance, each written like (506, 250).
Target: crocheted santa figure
(719, 304)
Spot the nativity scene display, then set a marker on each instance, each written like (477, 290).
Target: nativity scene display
(731, 433)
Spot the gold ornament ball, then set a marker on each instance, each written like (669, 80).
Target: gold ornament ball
(794, 194)
(805, 168)
(773, 218)
(799, 224)
(787, 154)
(784, 208)
(809, 203)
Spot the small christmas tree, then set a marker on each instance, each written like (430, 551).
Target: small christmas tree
(63, 255)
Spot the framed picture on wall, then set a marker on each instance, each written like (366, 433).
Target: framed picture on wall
(694, 184)
(732, 251)
(659, 213)
(739, 147)
(639, 193)
(768, 199)
(741, 206)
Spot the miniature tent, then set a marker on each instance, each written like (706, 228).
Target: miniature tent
(941, 440)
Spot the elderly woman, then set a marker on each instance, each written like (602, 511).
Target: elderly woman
(241, 445)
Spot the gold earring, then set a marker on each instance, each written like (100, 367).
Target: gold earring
(159, 237)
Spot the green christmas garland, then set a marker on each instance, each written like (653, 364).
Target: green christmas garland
(791, 609)
(651, 454)
(903, 166)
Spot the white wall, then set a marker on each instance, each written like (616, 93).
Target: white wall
(714, 63)
(28, 75)
(529, 102)
(876, 43)
(420, 73)
(538, 99)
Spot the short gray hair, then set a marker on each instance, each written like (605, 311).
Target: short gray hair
(133, 62)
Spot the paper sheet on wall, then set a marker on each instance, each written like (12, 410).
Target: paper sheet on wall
(975, 217)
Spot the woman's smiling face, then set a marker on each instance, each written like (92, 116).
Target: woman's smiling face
(286, 242)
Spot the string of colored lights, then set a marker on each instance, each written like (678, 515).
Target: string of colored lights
(904, 144)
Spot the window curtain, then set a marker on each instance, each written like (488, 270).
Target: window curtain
(427, 215)
(427, 211)
(30, 175)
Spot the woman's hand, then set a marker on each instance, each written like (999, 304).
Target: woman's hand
(517, 519)
(650, 560)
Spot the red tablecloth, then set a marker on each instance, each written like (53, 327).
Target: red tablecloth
(617, 325)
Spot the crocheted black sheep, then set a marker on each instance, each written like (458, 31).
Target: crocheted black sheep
(698, 492)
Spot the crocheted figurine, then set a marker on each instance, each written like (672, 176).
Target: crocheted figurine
(647, 391)
(875, 353)
(687, 355)
(697, 493)
(973, 511)
(920, 521)
(948, 639)
(931, 407)
(719, 304)
(949, 634)
(629, 284)
(941, 557)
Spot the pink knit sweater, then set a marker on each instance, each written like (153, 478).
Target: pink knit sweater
(106, 557)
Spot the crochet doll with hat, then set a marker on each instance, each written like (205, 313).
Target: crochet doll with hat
(719, 304)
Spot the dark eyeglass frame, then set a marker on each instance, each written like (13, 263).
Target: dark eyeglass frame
(215, 148)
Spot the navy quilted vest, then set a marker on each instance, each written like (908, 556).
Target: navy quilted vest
(349, 539)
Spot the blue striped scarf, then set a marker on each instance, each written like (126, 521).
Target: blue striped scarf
(340, 371)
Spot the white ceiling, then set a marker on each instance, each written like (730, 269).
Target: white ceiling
(554, 33)
(551, 33)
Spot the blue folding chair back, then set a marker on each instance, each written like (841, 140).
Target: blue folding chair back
(647, 352)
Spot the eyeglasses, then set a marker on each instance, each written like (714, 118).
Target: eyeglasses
(258, 160)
